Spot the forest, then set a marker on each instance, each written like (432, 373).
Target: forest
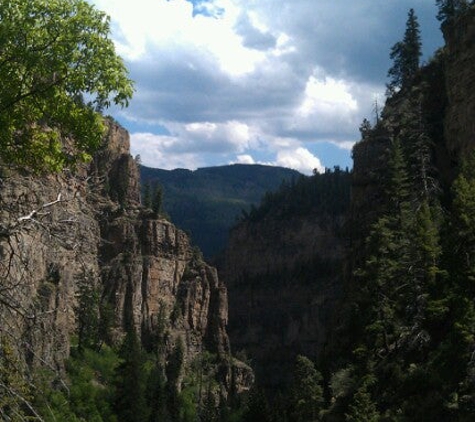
(402, 343)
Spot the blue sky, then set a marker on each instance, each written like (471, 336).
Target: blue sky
(256, 81)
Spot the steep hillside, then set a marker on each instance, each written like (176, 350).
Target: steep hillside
(405, 344)
(207, 201)
(84, 265)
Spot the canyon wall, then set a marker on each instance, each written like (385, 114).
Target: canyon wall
(87, 227)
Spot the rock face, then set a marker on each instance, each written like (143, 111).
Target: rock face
(61, 230)
(460, 84)
(283, 283)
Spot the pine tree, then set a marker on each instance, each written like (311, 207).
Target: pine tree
(365, 129)
(405, 55)
(147, 195)
(157, 199)
(130, 398)
(417, 145)
(384, 275)
(258, 409)
(362, 409)
(306, 396)
(174, 372)
(157, 395)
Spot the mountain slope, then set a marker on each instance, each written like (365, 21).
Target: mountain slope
(207, 201)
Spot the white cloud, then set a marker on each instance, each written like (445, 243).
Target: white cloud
(244, 159)
(169, 25)
(300, 159)
(160, 152)
(233, 133)
(327, 96)
(348, 145)
(234, 78)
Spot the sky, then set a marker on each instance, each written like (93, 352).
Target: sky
(277, 82)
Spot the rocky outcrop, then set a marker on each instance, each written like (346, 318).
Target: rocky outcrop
(88, 226)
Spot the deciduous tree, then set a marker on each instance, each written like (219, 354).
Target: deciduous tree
(58, 67)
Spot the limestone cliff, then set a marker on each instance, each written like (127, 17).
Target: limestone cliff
(88, 226)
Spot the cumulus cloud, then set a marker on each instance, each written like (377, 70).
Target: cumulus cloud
(300, 159)
(231, 80)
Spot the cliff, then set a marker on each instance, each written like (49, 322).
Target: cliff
(283, 272)
(459, 123)
(87, 227)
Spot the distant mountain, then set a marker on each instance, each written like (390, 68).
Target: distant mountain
(206, 202)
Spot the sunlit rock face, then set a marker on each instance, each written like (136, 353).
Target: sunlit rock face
(88, 225)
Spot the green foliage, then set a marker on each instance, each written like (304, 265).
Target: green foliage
(157, 394)
(323, 194)
(147, 195)
(157, 199)
(306, 395)
(89, 393)
(258, 409)
(362, 409)
(87, 311)
(130, 398)
(53, 53)
(15, 394)
(152, 197)
(405, 55)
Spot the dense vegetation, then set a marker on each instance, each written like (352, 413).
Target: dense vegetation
(207, 201)
(320, 194)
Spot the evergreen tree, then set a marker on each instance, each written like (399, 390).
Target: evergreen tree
(157, 199)
(306, 398)
(130, 399)
(87, 311)
(405, 55)
(147, 195)
(365, 129)
(157, 395)
(384, 279)
(362, 409)
(258, 409)
(417, 145)
(174, 372)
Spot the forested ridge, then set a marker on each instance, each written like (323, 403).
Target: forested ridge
(400, 342)
(206, 202)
